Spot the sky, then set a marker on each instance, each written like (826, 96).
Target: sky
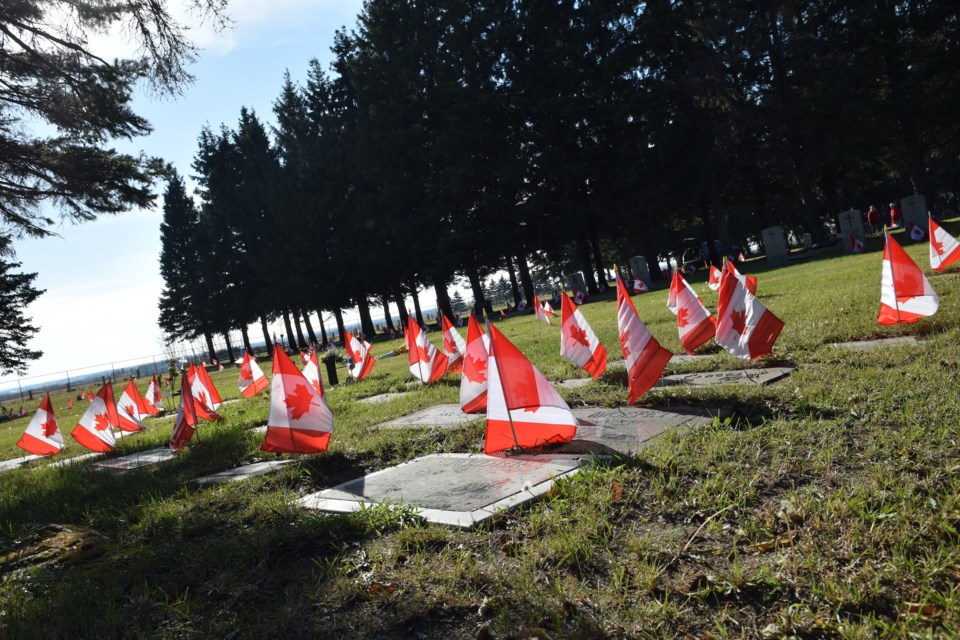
(102, 279)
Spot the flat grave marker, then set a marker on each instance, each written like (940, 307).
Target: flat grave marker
(441, 415)
(456, 489)
(16, 463)
(574, 383)
(871, 345)
(740, 376)
(626, 430)
(244, 471)
(683, 358)
(75, 459)
(135, 460)
(383, 397)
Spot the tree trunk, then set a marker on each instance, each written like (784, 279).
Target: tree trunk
(598, 256)
(706, 221)
(514, 287)
(246, 339)
(310, 332)
(209, 339)
(289, 328)
(366, 322)
(338, 315)
(443, 298)
(323, 328)
(226, 341)
(387, 316)
(401, 309)
(653, 260)
(301, 343)
(266, 334)
(583, 253)
(416, 305)
(526, 282)
(479, 300)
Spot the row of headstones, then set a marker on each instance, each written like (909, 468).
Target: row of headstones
(852, 224)
(465, 489)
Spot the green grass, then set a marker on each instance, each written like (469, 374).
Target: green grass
(828, 506)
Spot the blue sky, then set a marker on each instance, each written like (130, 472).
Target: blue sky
(102, 279)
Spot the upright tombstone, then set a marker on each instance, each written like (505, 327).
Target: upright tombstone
(776, 246)
(574, 282)
(915, 211)
(638, 265)
(851, 224)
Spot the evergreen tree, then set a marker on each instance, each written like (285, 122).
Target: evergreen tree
(16, 292)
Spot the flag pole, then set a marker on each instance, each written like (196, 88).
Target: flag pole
(513, 431)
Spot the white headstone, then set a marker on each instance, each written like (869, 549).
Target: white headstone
(638, 264)
(914, 210)
(574, 281)
(457, 489)
(776, 246)
(851, 224)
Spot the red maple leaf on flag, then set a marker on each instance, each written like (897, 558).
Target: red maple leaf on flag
(448, 344)
(422, 352)
(100, 422)
(739, 321)
(937, 246)
(298, 402)
(202, 397)
(579, 335)
(624, 346)
(682, 317)
(246, 372)
(129, 409)
(472, 369)
(49, 427)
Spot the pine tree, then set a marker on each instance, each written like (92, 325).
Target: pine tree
(16, 292)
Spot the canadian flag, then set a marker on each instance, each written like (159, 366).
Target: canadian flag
(153, 401)
(426, 363)
(359, 352)
(750, 282)
(42, 436)
(579, 296)
(252, 381)
(214, 395)
(694, 322)
(311, 371)
(944, 248)
(473, 384)
(905, 294)
(917, 233)
(95, 429)
(202, 394)
(644, 356)
(745, 328)
(540, 310)
(128, 409)
(714, 281)
(185, 424)
(454, 346)
(639, 286)
(300, 420)
(523, 410)
(856, 244)
(578, 343)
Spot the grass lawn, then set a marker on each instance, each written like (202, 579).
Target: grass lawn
(827, 506)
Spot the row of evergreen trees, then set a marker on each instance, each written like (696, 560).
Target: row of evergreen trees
(461, 138)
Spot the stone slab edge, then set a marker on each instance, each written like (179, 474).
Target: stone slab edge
(465, 520)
